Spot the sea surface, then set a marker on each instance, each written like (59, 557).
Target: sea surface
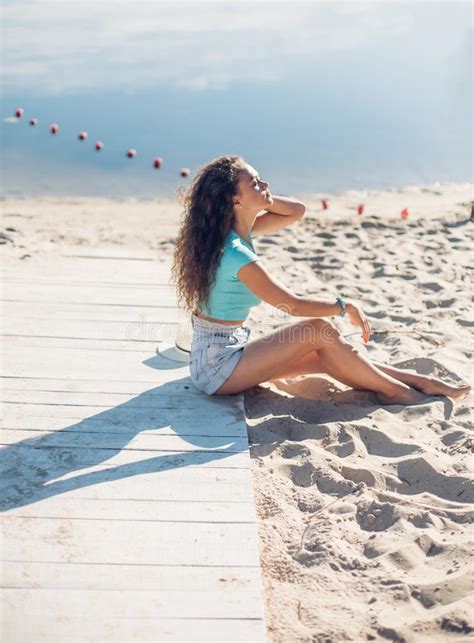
(321, 96)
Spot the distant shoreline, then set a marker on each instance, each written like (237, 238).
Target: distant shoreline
(436, 185)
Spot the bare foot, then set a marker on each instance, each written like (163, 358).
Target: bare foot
(434, 386)
(404, 396)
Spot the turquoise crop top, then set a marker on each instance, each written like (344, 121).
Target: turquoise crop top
(229, 298)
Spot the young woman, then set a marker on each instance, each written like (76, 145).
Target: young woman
(219, 276)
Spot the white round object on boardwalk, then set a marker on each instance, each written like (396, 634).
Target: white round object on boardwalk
(180, 349)
(170, 351)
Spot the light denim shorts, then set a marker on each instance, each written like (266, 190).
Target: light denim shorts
(215, 352)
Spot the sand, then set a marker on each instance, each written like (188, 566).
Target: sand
(364, 511)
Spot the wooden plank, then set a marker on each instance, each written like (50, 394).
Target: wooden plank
(202, 458)
(97, 305)
(89, 541)
(87, 311)
(114, 420)
(118, 629)
(56, 280)
(140, 603)
(112, 385)
(140, 414)
(102, 576)
(67, 506)
(24, 342)
(68, 353)
(54, 288)
(137, 330)
(155, 407)
(91, 272)
(156, 460)
(161, 295)
(81, 474)
(150, 441)
(113, 256)
(43, 362)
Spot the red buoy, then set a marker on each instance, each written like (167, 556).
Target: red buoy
(404, 213)
(157, 162)
(34, 121)
(54, 128)
(19, 112)
(185, 171)
(82, 136)
(99, 145)
(131, 153)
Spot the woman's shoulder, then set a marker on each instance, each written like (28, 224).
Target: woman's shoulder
(235, 243)
(238, 253)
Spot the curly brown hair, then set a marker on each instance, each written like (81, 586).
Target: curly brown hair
(206, 221)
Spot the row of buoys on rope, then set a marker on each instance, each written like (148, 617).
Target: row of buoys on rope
(82, 136)
(360, 209)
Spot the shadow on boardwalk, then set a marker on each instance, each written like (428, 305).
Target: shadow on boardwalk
(214, 428)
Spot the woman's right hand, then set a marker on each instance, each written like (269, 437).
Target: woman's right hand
(357, 318)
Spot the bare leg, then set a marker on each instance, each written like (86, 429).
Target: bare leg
(425, 383)
(316, 362)
(345, 363)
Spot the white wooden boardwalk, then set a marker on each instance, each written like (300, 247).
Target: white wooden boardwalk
(126, 493)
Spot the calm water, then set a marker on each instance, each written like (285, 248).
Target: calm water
(317, 96)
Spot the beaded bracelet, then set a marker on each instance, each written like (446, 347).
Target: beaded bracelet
(342, 304)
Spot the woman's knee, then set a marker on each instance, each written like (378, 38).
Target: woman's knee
(325, 332)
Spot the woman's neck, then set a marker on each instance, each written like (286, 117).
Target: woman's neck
(245, 234)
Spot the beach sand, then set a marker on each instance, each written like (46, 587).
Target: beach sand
(364, 512)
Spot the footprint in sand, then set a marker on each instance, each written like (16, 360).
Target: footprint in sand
(294, 451)
(380, 444)
(465, 322)
(306, 475)
(418, 476)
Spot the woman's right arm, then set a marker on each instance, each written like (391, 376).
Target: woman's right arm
(261, 282)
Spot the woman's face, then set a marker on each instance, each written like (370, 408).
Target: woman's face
(253, 190)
